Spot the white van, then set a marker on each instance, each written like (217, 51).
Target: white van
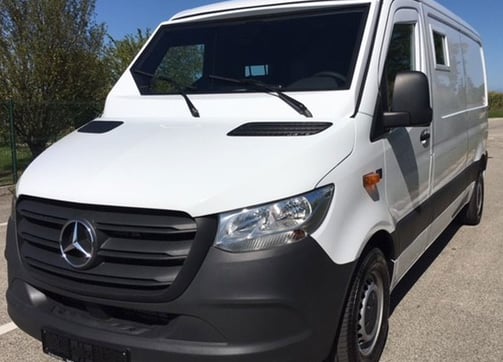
(262, 177)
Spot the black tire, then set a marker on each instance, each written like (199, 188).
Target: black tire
(472, 212)
(364, 327)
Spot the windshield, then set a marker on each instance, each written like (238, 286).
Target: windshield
(289, 52)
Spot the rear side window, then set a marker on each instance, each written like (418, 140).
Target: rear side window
(474, 73)
(441, 51)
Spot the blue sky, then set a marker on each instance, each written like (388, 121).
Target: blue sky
(126, 16)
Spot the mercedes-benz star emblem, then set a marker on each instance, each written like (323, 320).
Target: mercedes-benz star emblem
(77, 243)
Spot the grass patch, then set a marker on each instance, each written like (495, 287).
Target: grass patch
(23, 160)
(497, 113)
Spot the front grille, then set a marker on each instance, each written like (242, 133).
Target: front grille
(139, 252)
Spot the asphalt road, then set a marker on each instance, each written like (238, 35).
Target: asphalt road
(448, 308)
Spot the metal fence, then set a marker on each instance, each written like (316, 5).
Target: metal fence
(16, 151)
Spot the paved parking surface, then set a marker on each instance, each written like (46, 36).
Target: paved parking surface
(448, 308)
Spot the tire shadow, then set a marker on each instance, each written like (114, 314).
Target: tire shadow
(422, 264)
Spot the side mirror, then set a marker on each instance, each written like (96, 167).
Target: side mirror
(411, 102)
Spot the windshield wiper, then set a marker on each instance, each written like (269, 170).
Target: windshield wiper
(179, 89)
(295, 104)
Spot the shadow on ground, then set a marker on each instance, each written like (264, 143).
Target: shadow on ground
(413, 275)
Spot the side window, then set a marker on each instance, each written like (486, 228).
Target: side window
(474, 73)
(401, 56)
(441, 51)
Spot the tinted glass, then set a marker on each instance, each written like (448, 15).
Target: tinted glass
(401, 54)
(300, 51)
(440, 46)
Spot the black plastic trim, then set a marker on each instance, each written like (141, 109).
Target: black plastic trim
(281, 304)
(412, 225)
(277, 129)
(99, 127)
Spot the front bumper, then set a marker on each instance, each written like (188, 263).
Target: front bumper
(282, 304)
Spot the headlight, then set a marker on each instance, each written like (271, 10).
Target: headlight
(272, 225)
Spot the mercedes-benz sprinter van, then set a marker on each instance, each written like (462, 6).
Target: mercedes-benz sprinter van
(263, 175)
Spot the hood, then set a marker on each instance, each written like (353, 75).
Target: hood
(188, 165)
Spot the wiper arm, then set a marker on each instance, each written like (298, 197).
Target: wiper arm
(295, 104)
(178, 87)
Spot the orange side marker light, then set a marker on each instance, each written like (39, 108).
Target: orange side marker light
(371, 180)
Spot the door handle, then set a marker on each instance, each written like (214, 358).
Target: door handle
(425, 137)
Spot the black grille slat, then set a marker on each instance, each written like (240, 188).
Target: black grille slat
(138, 257)
(47, 244)
(142, 230)
(32, 254)
(96, 279)
(106, 273)
(41, 231)
(175, 248)
(137, 249)
(144, 220)
(42, 219)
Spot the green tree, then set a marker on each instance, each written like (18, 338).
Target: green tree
(182, 64)
(120, 53)
(495, 101)
(51, 66)
(495, 104)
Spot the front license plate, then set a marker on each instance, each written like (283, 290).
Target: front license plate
(71, 349)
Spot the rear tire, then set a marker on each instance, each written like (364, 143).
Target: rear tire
(364, 327)
(472, 212)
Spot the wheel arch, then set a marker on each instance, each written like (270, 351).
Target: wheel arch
(383, 241)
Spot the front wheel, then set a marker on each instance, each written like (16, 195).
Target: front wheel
(365, 321)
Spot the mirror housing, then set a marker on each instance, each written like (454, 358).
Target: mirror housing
(411, 102)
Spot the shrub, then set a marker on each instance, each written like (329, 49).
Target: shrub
(495, 104)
